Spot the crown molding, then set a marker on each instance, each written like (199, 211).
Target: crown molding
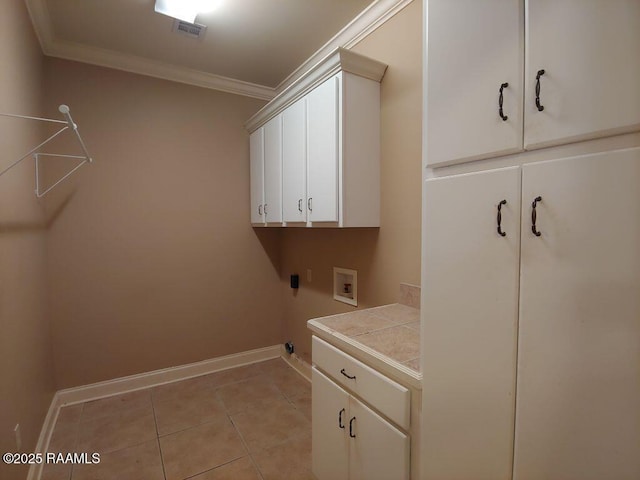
(152, 68)
(360, 27)
(365, 23)
(339, 60)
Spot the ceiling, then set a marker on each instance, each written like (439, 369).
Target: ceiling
(251, 47)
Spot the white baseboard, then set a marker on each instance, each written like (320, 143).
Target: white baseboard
(117, 386)
(295, 362)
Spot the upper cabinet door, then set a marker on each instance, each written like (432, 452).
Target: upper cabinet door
(323, 151)
(273, 170)
(294, 162)
(473, 49)
(256, 172)
(589, 51)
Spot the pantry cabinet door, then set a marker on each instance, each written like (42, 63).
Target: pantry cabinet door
(473, 48)
(470, 319)
(578, 405)
(273, 170)
(323, 151)
(377, 450)
(256, 172)
(330, 419)
(294, 162)
(589, 51)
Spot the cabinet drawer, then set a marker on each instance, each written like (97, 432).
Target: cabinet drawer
(388, 397)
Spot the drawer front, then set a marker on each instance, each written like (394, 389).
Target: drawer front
(388, 397)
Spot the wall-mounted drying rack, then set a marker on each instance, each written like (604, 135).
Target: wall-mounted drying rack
(68, 124)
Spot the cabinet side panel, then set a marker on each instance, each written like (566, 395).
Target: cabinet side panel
(469, 316)
(361, 152)
(578, 406)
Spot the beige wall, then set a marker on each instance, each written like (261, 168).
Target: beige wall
(389, 255)
(153, 262)
(26, 373)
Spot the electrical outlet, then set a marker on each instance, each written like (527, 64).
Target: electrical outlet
(18, 437)
(309, 275)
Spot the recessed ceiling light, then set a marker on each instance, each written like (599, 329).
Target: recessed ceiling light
(186, 10)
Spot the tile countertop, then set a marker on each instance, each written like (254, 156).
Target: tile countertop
(387, 337)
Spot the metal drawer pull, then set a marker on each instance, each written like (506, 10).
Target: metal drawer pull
(340, 418)
(500, 232)
(534, 216)
(265, 208)
(300, 205)
(309, 204)
(500, 100)
(347, 375)
(351, 428)
(540, 107)
(260, 210)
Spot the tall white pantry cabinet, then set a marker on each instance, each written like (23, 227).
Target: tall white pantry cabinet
(531, 261)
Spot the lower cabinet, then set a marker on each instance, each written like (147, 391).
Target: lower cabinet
(531, 277)
(350, 440)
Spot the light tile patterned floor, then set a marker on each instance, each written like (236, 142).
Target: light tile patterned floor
(247, 423)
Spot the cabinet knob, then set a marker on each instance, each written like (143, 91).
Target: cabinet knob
(351, 434)
(500, 232)
(540, 107)
(500, 100)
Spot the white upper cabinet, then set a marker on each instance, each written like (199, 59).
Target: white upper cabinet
(294, 162)
(473, 49)
(579, 60)
(256, 171)
(273, 170)
(590, 53)
(323, 136)
(330, 145)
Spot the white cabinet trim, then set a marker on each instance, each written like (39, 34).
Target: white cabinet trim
(339, 60)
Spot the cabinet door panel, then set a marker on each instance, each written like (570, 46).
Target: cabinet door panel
(330, 445)
(273, 170)
(323, 138)
(469, 311)
(578, 405)
(294, 162)
(589, 52)
(256, 172)
(472, 49)
(379, 451)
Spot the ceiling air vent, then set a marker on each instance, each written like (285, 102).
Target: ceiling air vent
(193, 30)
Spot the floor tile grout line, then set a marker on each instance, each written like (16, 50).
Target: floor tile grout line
(246, 447)
(155, 421)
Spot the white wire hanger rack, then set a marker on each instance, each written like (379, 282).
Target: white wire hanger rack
(36, 154)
